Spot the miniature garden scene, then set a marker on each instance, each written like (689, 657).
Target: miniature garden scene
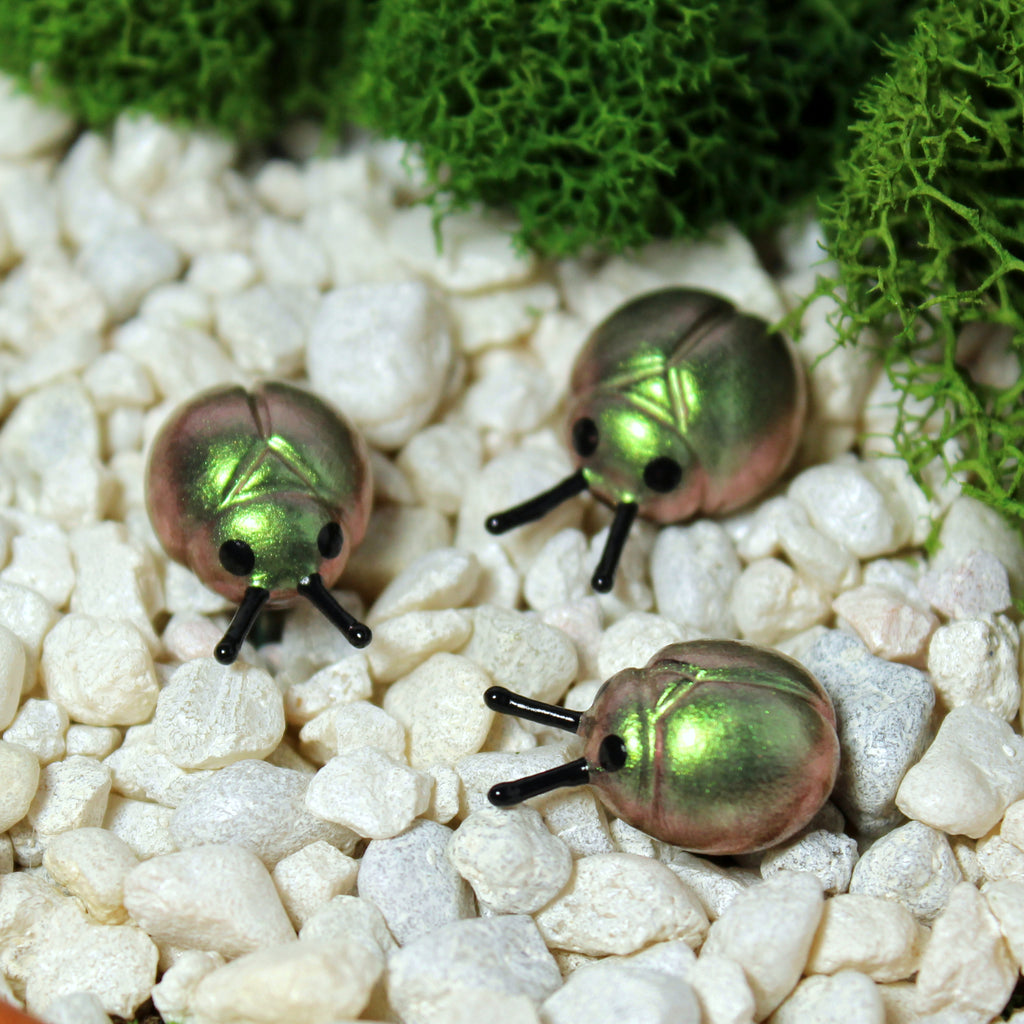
(511, 512)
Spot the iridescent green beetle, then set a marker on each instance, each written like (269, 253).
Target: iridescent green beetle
(679, 405)
(263, 495)
(715, 746)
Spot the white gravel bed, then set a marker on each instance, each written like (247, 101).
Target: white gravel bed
(304, 837)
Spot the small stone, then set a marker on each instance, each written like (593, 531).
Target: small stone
(302, 983)
(72, 794)
(221, 272)
(883, 713)
(12, 675)
(966, 964)
(402, 644)
(19, 780)
(722, 990)
(970, 526)
(913, 865)
(413, 883)
(560, 572)
(139, 769)
(479, 772)
(513, 862)
(209, 715)
(99, 670)
(619, 903)
(634, 640)
(995, 858)
(173, 995)
(350, 726)
(870, 934)
(500, 317)
(76, 1008)
(768, 930)
(771, 601)
(40, 726)
(29, 616)
(845, 506)
(31, 128)
(340, 682)
(402, 375)
(441, 579)
(970, 774)
(977, 586)
(145, 827)
(829, 856)
(607, 992)
(308, 878)
(830, 564)
(465, 965)
(218, 898)
(578, 818)
(522, 653)
(349, 918)
(693, 569)
(975, 661)
(844, 998)
(289, 255)
(716, 887)
(91, 863)
(263, 334)
(370, 793)
(1006, 901)
(891, 627)
(439, 462)
(257, 806)
(441, 705)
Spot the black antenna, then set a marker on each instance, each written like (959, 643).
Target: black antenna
(241, 623)
(604, 574)
(312, 588)
(505, 794)
(497, 698)
(537, 506)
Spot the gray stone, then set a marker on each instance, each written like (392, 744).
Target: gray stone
(829, 856)
(882, 712)
(413, 883)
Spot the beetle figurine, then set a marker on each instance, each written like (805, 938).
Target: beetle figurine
(679, 405)
(716, 746)
(263, 494)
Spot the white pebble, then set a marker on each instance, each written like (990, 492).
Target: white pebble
(1006, 901)
(502, 316)
(441, 705)
(19, 780)
(768, 930)
(117, 963)
(403, 643)
(257, 806)
(817, 557)
(115, 380)
(29, 616)
(634, 640)
(722, 990)
(971, 773)
(891, 627)
(218, 898)
(30, 127)
(611, 992)
(844, 998)
(966, 964)
(693, 570)
(173, 995)
(28, 201)
(443, 578)
(473, 970)
(349, 917)
(76, 1008)
(828, 855)
(144, 826)
(289, 255)
(72, 794)
(127, 263)
(844, 505)
(413, 883)
(280, 185)
(514, 864)
(209, 715)
(913, 865)
(140, 769)
(351, 726)
(560, 572)
(144, 151)
(12, 675)
(370, 793)
(995, 859)
(715, 886)
(439, 462)
(521, 652)
(977, 586)
(510, 395)
(91, 863)
(302, 983)
(770, 601)
(619, 903)
(970, 526)
(975, 661)
(479, 772)
(401, 376)
(99, 670)
(578, 818)
(870, 934)
(67, 353)
(310, 877)
(340, 682)
(40, 726)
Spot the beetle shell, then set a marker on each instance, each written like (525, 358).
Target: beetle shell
(681, 374)
(729, 747)
(270, 466)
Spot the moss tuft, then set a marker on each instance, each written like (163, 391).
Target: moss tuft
(613, 122)
(239, 65)
(928, 233)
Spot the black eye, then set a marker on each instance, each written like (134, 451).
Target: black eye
(584, 437)
(611, 755)
(237, 557)
(663, 474)
(328, 540)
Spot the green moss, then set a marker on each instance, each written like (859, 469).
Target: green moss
(928, 232)
(239, 65)
(615, 121)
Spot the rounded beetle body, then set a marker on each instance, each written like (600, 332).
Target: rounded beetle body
(270, 467)
(679, 379)
(715, 746)
(728, 747)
